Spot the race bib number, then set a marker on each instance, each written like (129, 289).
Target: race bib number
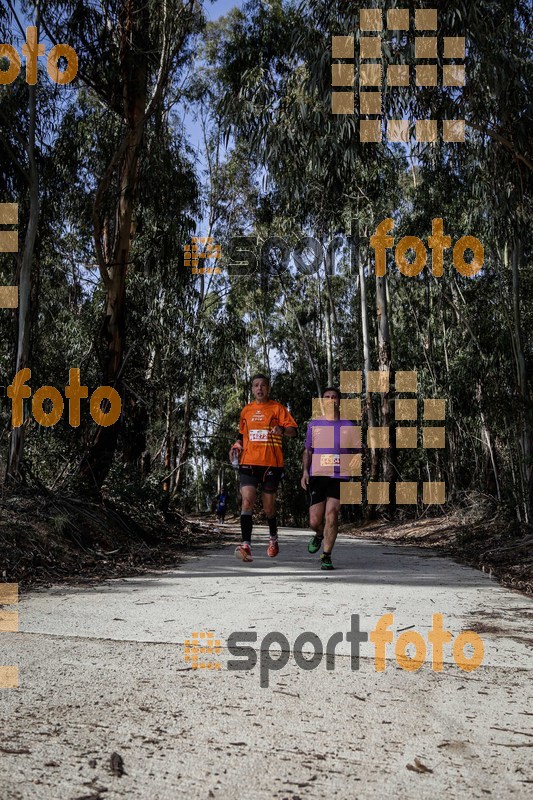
(259, 435)
(330, 460)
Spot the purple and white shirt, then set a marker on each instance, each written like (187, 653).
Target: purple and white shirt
(334, 444)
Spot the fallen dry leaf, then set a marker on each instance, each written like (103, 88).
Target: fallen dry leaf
(418, 766)
(117, 765)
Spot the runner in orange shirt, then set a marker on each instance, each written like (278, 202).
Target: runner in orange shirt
(262, 425)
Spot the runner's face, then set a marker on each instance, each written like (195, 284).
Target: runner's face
(335, 397)
(260, 390)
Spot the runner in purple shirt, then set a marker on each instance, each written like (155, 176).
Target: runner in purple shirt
(327, 458)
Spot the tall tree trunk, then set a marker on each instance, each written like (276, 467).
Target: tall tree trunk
(16, 442)
(328, 317)
(452, 432)
(526, 405)
(491, 483)
(385, 364)
(264, 342)
(134, 66)
(369, 408)
(183, 449)
(167, 461)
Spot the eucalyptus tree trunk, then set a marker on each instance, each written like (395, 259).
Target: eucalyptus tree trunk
(387, 412)
(526, 401)
(366, 341)
(120, 180)
(264, 341)
(167, 461)
(491, 482)
(328, 318)
(369, 407)
(451, 432)
(183, 449)
(113, 265)
(16, 440)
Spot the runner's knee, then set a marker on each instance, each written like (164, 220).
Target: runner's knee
(247, 504)
(269, 503)
(332, 514)
(315, 521)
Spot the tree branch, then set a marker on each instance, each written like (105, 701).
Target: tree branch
(502, 140)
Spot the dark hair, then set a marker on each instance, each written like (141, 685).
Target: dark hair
(332, 389)
(260, 375)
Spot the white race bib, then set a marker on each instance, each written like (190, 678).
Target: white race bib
(259, 435)
(330, 460)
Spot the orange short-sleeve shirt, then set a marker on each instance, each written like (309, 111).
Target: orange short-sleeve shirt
(260, 446)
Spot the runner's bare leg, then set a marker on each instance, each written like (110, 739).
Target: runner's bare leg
(269, 503)
(332, 523)
(316, 517)
(248, 495)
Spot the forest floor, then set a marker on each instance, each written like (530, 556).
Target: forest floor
(47, 537)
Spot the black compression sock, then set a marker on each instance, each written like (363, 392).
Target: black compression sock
(246, 527)
(273, 527)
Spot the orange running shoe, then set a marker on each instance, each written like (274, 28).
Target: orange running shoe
(273, 548)
(244, 552)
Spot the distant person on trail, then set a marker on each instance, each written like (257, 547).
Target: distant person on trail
(222, 501)
(323, 471)
(262, 425)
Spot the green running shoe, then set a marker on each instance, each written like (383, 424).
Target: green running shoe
(325, 562)
(314, 544)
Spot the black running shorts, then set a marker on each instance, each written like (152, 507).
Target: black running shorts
(320, 488)
(268, 477)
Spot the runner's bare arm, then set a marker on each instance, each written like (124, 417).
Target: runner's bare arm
(306, 461)
(290, 433)
(286, 423)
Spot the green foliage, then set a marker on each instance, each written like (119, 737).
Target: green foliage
(274, 162)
